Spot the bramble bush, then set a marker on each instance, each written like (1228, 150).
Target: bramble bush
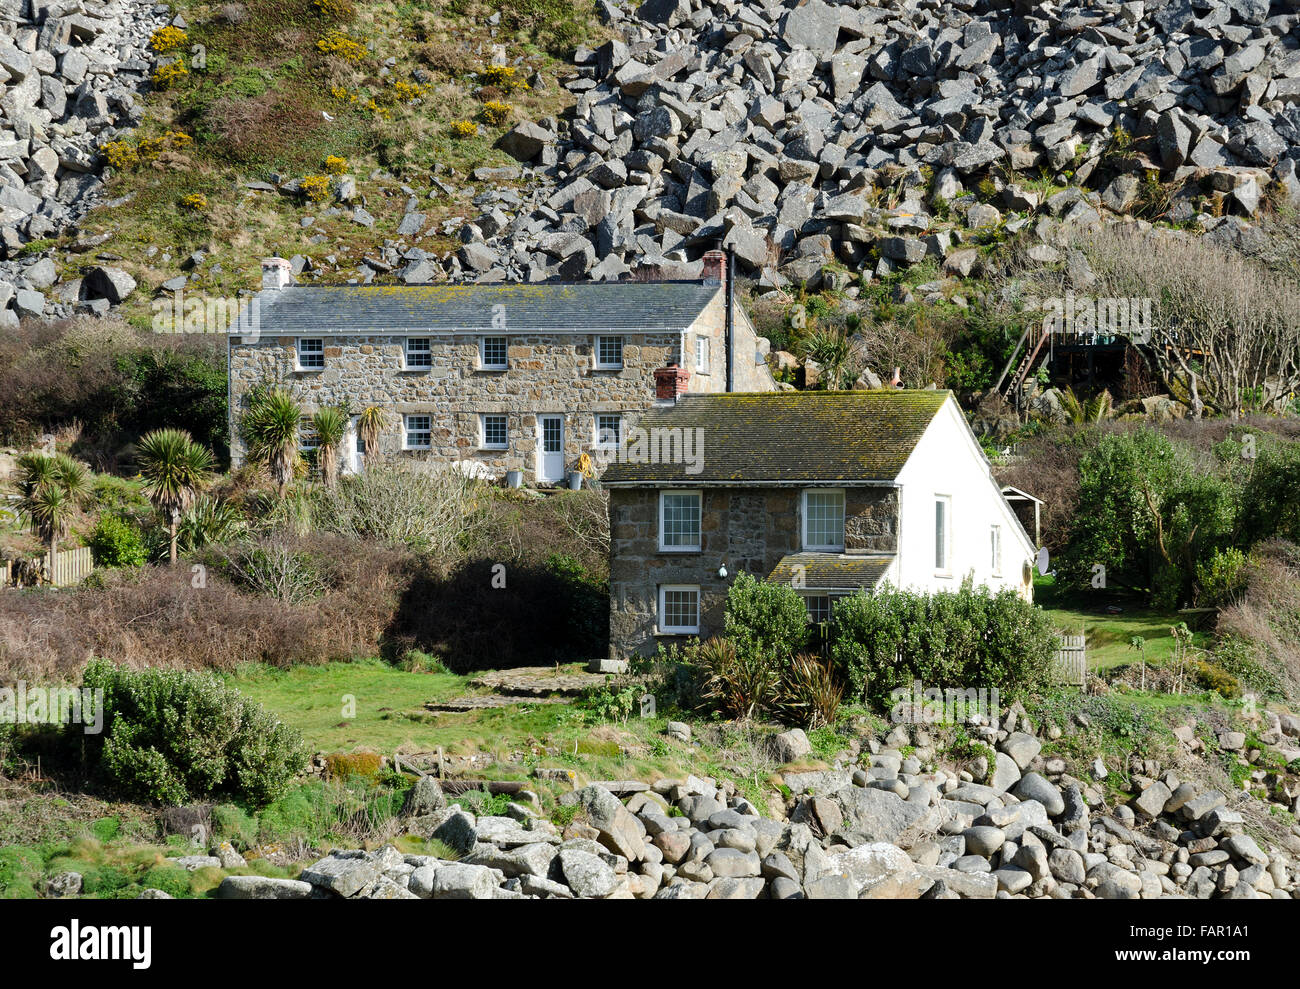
(967, 638)
(172, 736)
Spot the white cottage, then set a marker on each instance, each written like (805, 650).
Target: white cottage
(828, 491)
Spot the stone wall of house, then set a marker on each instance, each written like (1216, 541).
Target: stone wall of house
(751, 372)
(547, 374)
(748, 529)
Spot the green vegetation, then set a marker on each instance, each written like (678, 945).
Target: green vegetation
(170, 736)
(889, 639)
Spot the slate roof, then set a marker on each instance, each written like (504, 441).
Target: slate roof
(549, 307)
(848, 437)
(831, 571)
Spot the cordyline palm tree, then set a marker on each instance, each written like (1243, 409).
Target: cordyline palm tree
(51, 489)
(271, 428)
(175, 471)
(330, 425)
(370, 424)
(833, 353)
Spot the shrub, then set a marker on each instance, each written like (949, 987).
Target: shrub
(764, 617)
(335, 165)
(120, 155)
(1222, 577)
(168, 39)
(436, 511)
(115, 542)
(343, 765)
(170, 75)
(172, 880)
(495, 113)
(276, 569)
(338, 45)
(811, 692)
(506, 77)
(464, 128)
(963, 639)
(315, 188)
(1212, 677)
(170, 736)
(195, 202)
(335, 10)
(738, 683)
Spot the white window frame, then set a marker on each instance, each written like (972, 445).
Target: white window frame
(812, 596)
(943, 568)
(307, 438)
(662, 613)
(699, 545)
(407, 363)
(995, 549)
(602, 443)
(483, 432)
(596, 353)
(822, 547)
(298, 353)
(703, 353)
(407, 431)
(483, 363)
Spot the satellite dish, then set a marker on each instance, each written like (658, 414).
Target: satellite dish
(1043, 560)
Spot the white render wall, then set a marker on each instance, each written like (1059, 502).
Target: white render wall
(949, 461)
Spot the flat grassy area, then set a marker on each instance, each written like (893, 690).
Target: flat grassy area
(1109, 633)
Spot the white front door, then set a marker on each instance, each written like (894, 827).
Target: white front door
(350, 460)
(551, 461)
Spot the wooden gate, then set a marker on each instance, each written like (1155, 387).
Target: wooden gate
(1072, 659)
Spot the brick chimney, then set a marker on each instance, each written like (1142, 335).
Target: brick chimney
(276, 274)
(670, 382)
(715, 268)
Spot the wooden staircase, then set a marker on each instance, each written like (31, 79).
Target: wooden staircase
(1031, 345)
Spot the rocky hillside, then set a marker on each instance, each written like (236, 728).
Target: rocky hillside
(818, 140)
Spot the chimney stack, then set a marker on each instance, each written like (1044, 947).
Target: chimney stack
(670, 382)
(276, 274)
(715, 268)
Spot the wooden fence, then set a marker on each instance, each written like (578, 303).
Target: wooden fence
(1072, 660)
(70, 566)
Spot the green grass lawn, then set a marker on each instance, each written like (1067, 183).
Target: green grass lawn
(387, 705)
(1109, 634)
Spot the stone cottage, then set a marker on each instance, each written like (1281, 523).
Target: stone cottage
(494, 377)
(830, 492)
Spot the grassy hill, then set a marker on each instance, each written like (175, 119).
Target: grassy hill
(266, 92)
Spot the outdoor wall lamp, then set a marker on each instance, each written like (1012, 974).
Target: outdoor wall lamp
(722, 572)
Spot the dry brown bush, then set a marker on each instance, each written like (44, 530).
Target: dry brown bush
(156, 617)
(1215, 312)
(1268, 614)
(260, 128)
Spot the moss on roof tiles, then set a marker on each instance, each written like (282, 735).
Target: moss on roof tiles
(830, 571)
(786, 437)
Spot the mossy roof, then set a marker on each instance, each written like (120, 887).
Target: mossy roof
(542, 307)
(830, 571)
(849, 437)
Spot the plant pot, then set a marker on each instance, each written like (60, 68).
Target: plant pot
(575, 480)
(514, 479)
